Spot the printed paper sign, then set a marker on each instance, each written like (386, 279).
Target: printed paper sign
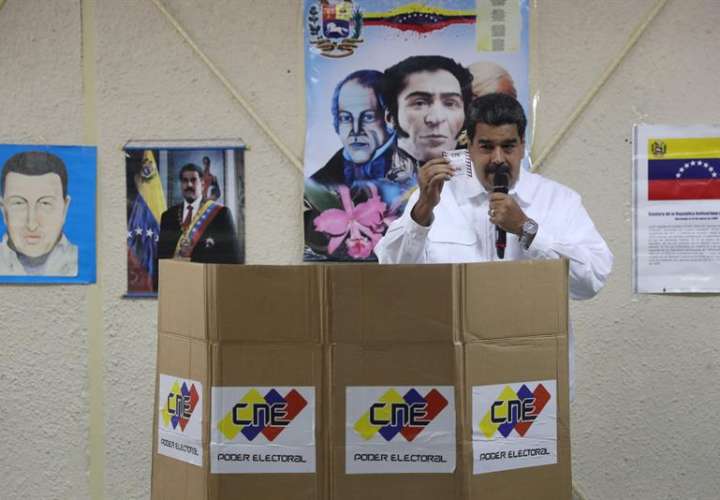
(262, 430)
(185, 199)
(399, 430)
(180, 420)
(514, 426)
(676, 244)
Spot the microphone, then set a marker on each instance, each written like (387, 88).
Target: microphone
(500, 185)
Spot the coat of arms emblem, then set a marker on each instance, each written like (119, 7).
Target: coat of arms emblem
(658, 148)
(334, 27)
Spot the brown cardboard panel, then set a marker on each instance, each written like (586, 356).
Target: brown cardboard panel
(389, 365)
(510, 361)
(331, 327)
(397, 486)
(514, 299)
(399, 364)
(181, 298)
(262, 365)
(370, 303)
(175, 480)
(264, 487)
(547, 482)
(266, 303)
(183, 357)
(266, 365)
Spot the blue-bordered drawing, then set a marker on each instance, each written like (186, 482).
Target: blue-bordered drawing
(47, 202)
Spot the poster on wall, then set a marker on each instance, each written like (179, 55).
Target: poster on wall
(387, 83)
(676, 179)
(185, 200)
(47, 200)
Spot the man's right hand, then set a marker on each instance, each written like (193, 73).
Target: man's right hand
(431, 178)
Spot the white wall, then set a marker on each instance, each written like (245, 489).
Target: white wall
(643, 423)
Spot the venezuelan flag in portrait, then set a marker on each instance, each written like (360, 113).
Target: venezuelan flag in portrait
(144, 226)
(684, 169)
(420, 18)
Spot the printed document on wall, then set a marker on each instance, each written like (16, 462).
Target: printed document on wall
(676, 226)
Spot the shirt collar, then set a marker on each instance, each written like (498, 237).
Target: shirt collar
(195, 207)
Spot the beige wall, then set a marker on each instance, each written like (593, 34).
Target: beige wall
(77, 363)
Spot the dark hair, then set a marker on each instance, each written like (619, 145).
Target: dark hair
(206, 158)
(368, 78)
(396, 80)
(35, 163)
(495, 109)
(190, 167)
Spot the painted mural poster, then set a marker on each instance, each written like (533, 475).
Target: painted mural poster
(47, 200)
(387, 84)
(676, 209)
(185, 200)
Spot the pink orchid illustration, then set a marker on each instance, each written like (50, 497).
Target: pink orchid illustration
(361, 224)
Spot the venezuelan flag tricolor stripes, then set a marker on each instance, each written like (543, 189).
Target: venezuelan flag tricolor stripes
(419, 18)
(684, 169)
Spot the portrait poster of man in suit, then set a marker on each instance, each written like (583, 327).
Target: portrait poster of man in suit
(185, 201)
(47, 214)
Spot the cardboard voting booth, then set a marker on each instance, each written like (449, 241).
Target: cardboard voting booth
(343, 382)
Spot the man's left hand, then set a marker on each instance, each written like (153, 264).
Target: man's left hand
(506, 213)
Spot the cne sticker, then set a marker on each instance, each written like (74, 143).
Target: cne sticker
(400, 429)
(258, 430)
(180, 419)
(514, 426)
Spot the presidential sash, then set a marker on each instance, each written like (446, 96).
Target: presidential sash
(194, 231)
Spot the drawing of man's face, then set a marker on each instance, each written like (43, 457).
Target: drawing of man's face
(361, 125)
(431, 113)
(34, 210)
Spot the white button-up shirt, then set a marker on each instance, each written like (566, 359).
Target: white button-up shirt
(461, 232)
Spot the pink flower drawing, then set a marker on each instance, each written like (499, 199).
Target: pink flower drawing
(359, 226)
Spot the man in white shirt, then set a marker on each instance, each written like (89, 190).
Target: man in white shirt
(455, 221)
(453, 218)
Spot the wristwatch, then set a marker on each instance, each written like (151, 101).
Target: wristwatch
(529, 230)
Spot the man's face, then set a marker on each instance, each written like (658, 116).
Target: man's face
(430, 111)
(493, 147)
(34, 211)
(191, 185)
(361, 125)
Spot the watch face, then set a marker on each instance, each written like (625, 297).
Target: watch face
(530, 227)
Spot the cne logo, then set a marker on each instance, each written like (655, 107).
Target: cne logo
(407, 415)
(514, 411)
(256, 414)
(179, 405)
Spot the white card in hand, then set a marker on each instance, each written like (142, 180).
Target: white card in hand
(460, 160)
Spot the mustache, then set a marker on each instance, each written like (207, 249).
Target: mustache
(493, 168)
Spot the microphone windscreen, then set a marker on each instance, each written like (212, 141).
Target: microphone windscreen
(501, 181)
